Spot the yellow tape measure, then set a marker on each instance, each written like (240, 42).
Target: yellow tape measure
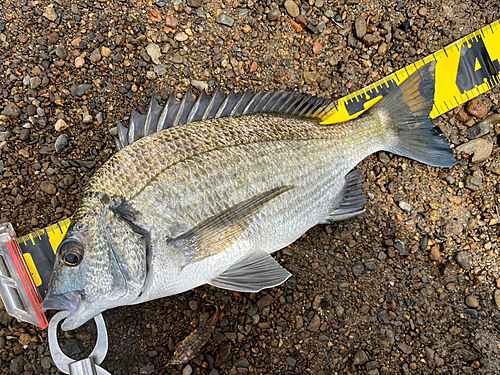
(39, 249)
(465, 69)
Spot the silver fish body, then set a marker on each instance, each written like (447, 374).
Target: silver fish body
(206, 202)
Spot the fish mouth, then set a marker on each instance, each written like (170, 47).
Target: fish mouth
(73, 302)
(69, 301)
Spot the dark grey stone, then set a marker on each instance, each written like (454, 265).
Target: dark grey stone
(80, 90)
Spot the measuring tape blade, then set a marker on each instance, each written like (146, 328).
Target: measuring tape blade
(464, 70)
(39, 250)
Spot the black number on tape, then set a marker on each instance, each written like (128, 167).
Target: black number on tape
(471, 57)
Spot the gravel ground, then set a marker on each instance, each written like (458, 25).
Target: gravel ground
(410, 286)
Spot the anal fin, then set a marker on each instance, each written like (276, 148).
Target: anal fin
(251, 274)
(350, 200)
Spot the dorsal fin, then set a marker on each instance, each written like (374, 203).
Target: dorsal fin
(189, 109)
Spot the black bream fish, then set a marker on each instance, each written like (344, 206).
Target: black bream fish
(239, 177)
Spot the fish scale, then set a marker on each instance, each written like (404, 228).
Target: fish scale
(311, 165)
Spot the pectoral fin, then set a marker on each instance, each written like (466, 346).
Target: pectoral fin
(221, 231)
(253, 273)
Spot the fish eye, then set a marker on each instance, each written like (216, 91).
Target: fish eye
(71, 252)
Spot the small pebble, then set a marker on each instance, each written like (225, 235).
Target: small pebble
(61, 142)
(472, 301)
(478, 130)
(360, 358)
(171, 22)
(60, 125)
(80, 90)
(105, 51)
(35, 82)
(404, 206)
(95, 56)
(477, 108)
(472, 313)
(188, 370)
(12, 111)
(199, 85)
(291, 361)
(181, 37)
(53, 38)
(25, 134)
(360, 27)
(481, 149)
(292, 8)
(224, 19)
(62, 52)
(242, 362)
(358, 268)
(314, 324)
(274, 14)
(48, 188)
(383, 157)
(50, 13)
(265, 301)
(68, 180)
(30, 110)
(463, 259)
(79, 62)
(435, 254)
(429, 353)
(154, 52)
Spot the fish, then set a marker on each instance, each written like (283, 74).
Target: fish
(203, 191)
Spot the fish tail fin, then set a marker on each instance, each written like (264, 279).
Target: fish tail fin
(405, 111)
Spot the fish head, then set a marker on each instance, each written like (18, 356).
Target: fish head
(100, 264)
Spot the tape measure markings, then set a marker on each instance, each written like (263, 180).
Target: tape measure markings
(461, 74)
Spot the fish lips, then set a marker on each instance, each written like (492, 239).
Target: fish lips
(67, 301)
(70, 301)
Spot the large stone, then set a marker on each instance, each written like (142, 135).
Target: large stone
(11, 110)
(477, 108)
(61, 142)
(360, 358)
(50, 13)
(224, 19)
(80, 90)
(154, 52)
(17, 364)
(480, 147)
(62, 52)
(292, 8)
(360, 27)
(194, 3)
(265, 301)
(48, 188)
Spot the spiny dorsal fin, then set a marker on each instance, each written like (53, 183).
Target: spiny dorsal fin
(207, 107)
